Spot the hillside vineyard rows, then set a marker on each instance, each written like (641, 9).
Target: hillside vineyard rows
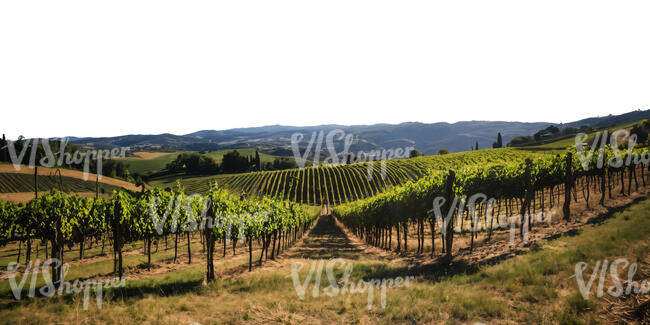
(264, 214)
(10, 183)
(333, 185)
(518, 189)
(62, 220)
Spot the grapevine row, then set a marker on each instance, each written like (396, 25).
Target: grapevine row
(519, 187)
(65, 220)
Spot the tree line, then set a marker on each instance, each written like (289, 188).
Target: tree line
(232, 162)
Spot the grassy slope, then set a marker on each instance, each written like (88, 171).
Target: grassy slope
(139, 165)
(532, 288)
(569, 141)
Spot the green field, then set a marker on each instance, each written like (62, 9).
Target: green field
(139, 165)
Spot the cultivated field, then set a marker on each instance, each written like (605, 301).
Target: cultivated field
(330, 245)
(18, 185)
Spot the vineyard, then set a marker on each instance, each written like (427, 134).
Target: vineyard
(333, 185)
(66, 176)
(188, 252)
(59, 220)
(510, 190)
(11, 183)
(324, 162)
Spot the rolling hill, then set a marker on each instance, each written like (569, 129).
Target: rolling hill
(426, 137)
(334, 185)
(158, 162)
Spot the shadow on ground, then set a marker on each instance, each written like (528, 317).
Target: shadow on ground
(327, 240)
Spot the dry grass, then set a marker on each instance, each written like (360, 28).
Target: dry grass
(150, 155)
(534, 287)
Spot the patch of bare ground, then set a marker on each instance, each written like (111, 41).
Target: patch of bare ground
(149, 155)
(326, 239)
(503, 244)
(76, 262)
(632, 308)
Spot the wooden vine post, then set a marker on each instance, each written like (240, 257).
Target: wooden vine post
(36, 182)
(527, 197)
(447, 211)
(568, 185)
(209, 242)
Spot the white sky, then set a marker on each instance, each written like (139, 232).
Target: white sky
(89, 68)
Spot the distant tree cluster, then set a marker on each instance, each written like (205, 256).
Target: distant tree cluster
(549, 133)
(193, 163)
(282, 163)
(499, 143)
(641, 130)
(415, 153)
(232, 162)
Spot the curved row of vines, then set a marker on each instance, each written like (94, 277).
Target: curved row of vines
(520, 189)
(333, 185)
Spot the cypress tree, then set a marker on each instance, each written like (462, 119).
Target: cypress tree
(3, 156)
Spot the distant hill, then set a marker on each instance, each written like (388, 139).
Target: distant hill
(426, 137)
(610, 120)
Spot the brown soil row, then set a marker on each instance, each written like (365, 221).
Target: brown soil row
(24, 197)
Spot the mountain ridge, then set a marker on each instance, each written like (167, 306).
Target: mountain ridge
(426, 137)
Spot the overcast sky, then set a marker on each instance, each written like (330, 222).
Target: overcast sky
(89, 68)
